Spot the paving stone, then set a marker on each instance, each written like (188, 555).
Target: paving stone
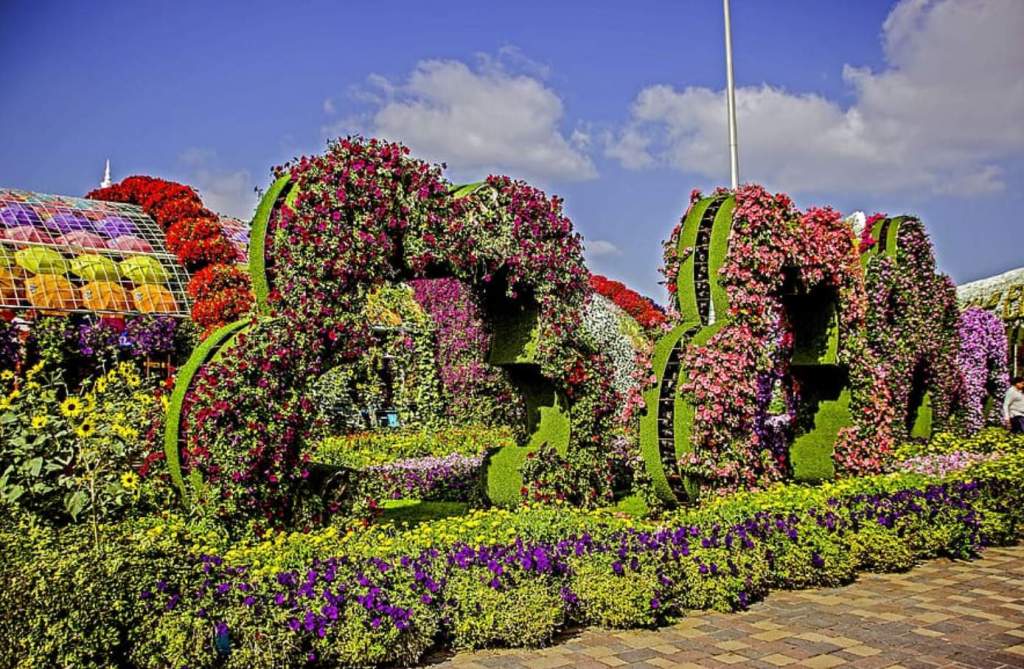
(961, 615)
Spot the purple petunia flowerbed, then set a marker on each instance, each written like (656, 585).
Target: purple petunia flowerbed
(716, 559)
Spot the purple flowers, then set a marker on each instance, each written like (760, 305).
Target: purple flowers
(389, 595)
(982, 361)
(426, 478)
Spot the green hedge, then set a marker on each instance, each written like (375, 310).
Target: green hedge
(146, 599)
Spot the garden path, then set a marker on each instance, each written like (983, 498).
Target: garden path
(940, 614)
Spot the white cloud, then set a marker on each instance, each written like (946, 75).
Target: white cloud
(477, 120)
(601, 247)
(940, 117)
(228, 192)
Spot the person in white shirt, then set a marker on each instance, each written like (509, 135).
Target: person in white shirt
(1013, 406)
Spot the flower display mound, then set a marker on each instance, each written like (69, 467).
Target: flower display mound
(982, 363)
(643, 309)
(219, 290)
(752, 384)
(912, 328)
(331, 229)
(165, 593)
(801, 351)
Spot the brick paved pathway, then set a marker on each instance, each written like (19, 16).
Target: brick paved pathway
(940, 614)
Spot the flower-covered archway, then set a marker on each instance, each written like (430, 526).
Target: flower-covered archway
(800, 350)
(329, 230)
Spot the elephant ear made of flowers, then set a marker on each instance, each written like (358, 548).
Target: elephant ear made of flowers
(331, 229)
(751, 382)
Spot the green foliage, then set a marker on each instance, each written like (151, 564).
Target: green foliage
(649, 438)
(67, 602)
(69, 456)
(523, 612)
(880, 550)
(258, 240)
(989, 440)
(182, 383)
(611, 600)
(378, 447)
(821, 419)
(548, 427)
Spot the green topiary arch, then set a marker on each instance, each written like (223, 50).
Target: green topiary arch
(328, 230)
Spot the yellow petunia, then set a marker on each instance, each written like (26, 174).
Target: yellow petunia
(71, 407)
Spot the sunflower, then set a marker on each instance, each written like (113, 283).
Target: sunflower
(85, 429)
(39, 422)
(129, 480)
(71, 407)
(6, 375)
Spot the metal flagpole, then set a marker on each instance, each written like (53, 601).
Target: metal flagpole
(730, 97)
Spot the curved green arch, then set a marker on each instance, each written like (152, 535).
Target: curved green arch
(666, 424)
(172, 428)
(258, 241)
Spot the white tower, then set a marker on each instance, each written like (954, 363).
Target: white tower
(106, 183)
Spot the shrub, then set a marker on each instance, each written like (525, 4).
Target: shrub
(163, 592)
(879, 550)
(610, 594)
(486, 612)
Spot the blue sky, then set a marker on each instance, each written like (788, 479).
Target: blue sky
(909, 107)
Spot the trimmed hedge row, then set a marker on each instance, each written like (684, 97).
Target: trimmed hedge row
(158, 596)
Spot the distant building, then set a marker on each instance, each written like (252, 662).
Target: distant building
(1003, 294)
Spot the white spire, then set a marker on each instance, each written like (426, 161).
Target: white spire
(106, 183)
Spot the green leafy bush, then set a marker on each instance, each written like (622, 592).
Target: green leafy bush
(169, 592)
(615, 597)
(72, 455)
(989, 440)
(521, 612)
(378, 447)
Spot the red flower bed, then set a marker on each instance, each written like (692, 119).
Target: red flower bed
(641, 308)
(219, 290)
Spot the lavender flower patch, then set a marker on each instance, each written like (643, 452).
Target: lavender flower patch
(943, 464)
(452, 477)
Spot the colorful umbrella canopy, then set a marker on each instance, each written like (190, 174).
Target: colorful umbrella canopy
(66, 222)
(11, 287)
(27, 233)
(94, 267)
(51, 291)
(153, 299)
(130, 243)
(41, 260)
(105, 296)
(16, 214)
(143, 269)
(115, 226)
(80, 239)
